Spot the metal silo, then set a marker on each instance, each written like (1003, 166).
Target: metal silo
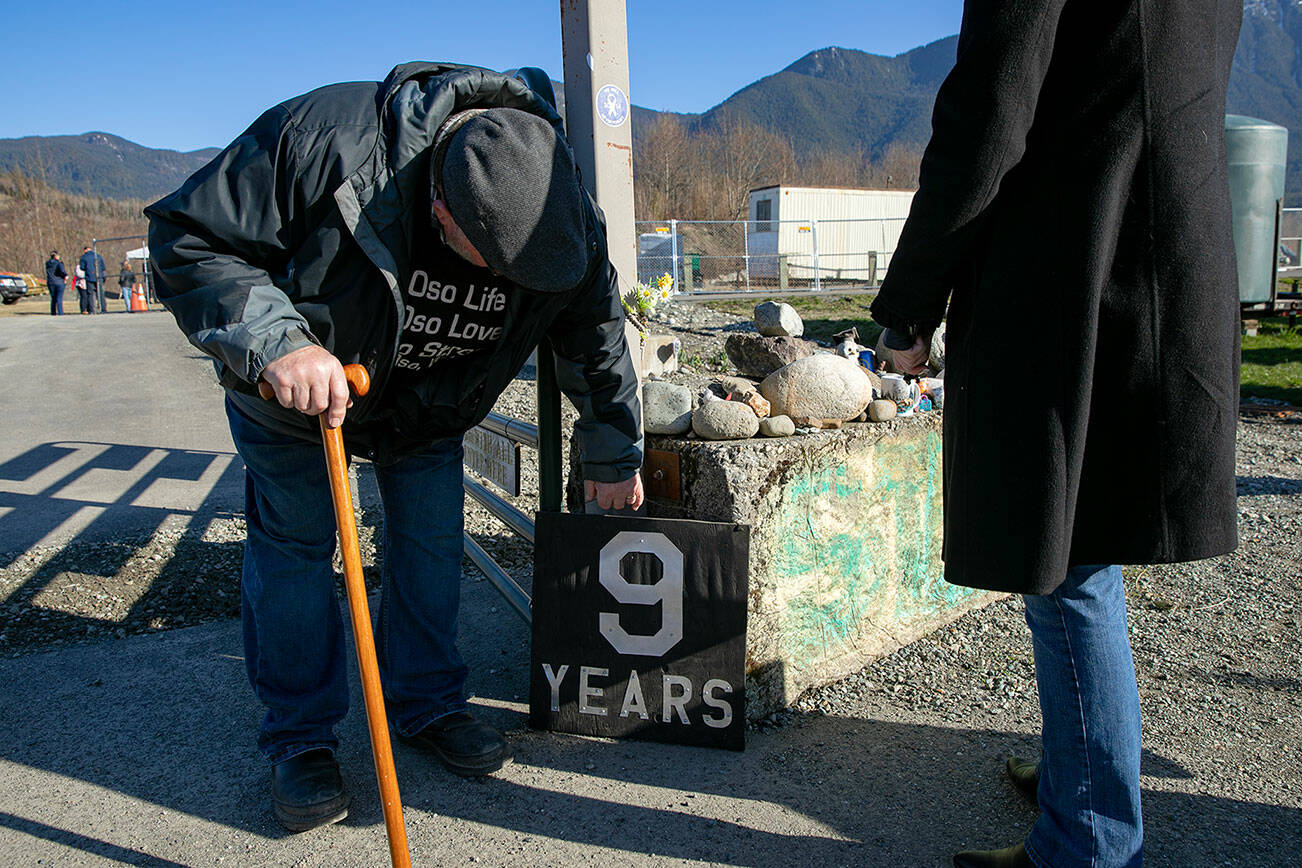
(1257, 152)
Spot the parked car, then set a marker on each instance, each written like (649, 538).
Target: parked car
(12, 288)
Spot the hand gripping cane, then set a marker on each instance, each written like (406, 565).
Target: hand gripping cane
(359, 382)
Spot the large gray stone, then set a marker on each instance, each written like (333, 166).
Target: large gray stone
(724, 420)
(666, 408)
(822, 386)
(936, 361)
(758, 356)
(777, 426)
(882, 410)
(776, 318)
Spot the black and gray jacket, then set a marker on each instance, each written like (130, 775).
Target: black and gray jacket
(300, 231)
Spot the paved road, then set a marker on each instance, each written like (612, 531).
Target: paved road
(110, 422)
(139, 751)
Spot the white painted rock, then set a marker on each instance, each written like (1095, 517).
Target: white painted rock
(724, 420)
(777, 426)
(776, 318)
(881, 411)
(666, 408)
(823, 386)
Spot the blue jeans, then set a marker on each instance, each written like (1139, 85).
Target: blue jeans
(1089, 774)
(56, 301)
(293, 631)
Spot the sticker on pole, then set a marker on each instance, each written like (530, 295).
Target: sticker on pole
(612, 106)
(639, 629)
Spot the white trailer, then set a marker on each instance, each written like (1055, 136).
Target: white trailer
(813, 236)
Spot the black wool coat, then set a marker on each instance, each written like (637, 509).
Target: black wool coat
(1073, 211)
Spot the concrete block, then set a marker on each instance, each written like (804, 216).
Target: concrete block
(845, 545)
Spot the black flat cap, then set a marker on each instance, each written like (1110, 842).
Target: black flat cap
(510, 185)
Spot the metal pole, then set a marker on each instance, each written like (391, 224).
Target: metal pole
(549, 431)
(813, 231)
(745, 234)
(98, 301)
(594, 35)
(598, 114)
(673, 251)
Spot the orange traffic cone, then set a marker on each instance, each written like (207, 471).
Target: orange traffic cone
(138, 303)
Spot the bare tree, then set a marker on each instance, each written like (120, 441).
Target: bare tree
(744, 156)
(68, 223)
(663, 162)
(898, 167)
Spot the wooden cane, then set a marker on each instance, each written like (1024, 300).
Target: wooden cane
(363, 640)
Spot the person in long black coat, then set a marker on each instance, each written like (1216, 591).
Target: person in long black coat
(1073, 214)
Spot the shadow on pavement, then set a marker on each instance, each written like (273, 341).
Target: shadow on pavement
(169, 720)
(93, 509)
(84, 843)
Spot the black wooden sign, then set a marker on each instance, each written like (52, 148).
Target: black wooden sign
(639, 628)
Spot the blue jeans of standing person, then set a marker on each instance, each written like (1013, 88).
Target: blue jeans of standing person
(56, 300)
(293, 631)
(1089, 702)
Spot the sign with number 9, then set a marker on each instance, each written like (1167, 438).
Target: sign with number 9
(668, 592)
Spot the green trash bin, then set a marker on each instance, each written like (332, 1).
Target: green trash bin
(1257, 152)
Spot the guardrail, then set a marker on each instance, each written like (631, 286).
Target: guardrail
(545, 439)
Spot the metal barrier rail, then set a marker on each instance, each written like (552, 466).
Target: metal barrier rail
(545, 437)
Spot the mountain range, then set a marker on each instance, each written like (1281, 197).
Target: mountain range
(101, 164)
(834, 99)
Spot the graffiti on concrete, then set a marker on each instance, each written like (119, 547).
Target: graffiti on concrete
(859, 550)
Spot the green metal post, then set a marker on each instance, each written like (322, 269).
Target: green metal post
(549, 431)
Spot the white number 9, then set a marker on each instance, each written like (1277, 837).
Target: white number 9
(669, 591)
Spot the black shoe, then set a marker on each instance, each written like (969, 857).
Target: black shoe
(1025, 778)
(1009, 857)
(465, 746)
(307, 791)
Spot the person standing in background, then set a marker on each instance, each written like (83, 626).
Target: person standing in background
(92, 264)
(55, 274)
(1073, 214)
(85, 303)
(126, 280)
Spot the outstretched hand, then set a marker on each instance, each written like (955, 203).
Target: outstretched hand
(913, 360)
(615, 495)
(310, 380)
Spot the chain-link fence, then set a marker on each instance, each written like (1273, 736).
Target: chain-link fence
(1289, 254)
(705, 256)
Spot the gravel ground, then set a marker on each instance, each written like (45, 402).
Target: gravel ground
(1217, 643)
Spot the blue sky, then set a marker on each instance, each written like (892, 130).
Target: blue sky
(192, 75)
